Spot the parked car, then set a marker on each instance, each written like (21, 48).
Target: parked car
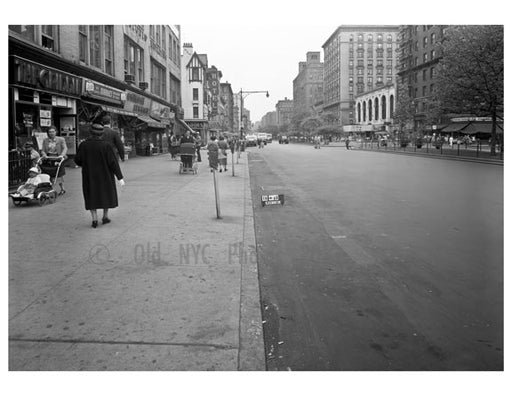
(251, 140)
(269, 138)
(283, 139)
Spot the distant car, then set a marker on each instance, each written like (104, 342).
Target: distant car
(269, 138)
(283, 139)
(251, 140)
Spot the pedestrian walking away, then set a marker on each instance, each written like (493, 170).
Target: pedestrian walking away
(99, 166)
(187, 159)
(223, 154)
(198, 147)
(55, 146)
(112, 138)
(347, 143)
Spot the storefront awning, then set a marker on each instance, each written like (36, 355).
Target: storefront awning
(485, 127)
(455, 127)
(151, 122)
(186, 126)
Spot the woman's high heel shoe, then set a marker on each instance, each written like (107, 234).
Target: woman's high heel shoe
(94, 223)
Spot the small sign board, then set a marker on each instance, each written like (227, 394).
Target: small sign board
(272, 199)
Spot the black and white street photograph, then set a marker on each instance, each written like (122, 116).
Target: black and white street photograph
(255, 198)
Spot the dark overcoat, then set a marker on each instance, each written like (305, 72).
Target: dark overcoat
(99, 166)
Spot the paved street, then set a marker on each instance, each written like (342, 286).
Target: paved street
(379, 261)
(165, 286)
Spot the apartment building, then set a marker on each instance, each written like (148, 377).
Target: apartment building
(419, 55)
(308, 85)
(357, 59)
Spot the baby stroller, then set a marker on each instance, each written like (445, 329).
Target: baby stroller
(188, 158)
(44, 192)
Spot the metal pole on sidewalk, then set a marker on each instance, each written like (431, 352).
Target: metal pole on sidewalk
(217, 200)
(233, 162)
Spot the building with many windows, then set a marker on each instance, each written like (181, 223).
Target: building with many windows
(284, 111)
(357, 59)
(419, 55)
(227, 101)
(308, 85)
(194, 90)
(72, 75)
(269, 119)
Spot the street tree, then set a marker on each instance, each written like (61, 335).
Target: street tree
(471, 73)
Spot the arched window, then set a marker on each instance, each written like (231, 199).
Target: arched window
(391, 106)
(364, 111)
(384, 107)
(370, 110)
(376, 109)
(359, 112)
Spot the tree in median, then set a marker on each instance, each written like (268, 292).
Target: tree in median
(471, 72)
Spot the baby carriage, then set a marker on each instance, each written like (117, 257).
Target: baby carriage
(188, 158)
(44, 192)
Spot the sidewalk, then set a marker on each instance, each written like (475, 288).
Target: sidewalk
(165, 286)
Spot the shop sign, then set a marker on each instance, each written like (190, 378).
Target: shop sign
(45, 78)
(100, 91)
(468, 119)
(160, 112)
(137, 103)
(196, 125)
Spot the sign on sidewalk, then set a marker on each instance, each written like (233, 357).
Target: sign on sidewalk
(272, 199)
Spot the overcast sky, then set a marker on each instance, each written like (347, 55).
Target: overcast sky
(258, 58)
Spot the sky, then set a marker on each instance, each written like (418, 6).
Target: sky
(258, 58)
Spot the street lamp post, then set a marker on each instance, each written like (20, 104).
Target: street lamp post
(246, 93)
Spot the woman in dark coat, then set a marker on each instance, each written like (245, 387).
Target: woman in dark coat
(99, 165)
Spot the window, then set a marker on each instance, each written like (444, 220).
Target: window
(389, 79)
(379, 37)
(425, 75)
(432, 38)
(370, 80)
(174, 84)
(370, 38)
(82, 42)
(360, 54)
(195, 112)
(425, 57)
(95, 45)
(133, 60)
(158, 82)
(195, 74)
(360, 63)
(425, 41)
(424, 90)
(360, 80)
(195, 94)
(48, 36)
(109, 49)
(350, 63)
(432, 54)
(26, 31)
(432, 72)
(359, 37)
(370, 71)
(431, 88)
(390, 38)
